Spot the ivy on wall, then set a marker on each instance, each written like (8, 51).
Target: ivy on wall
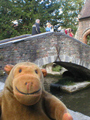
(88, 40)
(1, 57)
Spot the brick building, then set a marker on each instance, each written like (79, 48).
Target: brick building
(83, 30)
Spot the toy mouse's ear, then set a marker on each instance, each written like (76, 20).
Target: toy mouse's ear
(44, 72)
(8, 68)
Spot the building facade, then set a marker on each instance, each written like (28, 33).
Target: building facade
(83, 31)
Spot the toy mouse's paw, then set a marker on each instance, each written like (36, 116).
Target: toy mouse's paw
(8, 68)
(67, 116)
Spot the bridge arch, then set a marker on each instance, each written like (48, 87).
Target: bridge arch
(45, 60)
(74, 65)
(47, 48)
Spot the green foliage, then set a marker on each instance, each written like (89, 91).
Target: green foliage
(61, 80)
(70, 10)
(29, 10)
(53, 76)
(1, 57)
(57, 68)
(66, 81)
(88, 40)
(1, 73)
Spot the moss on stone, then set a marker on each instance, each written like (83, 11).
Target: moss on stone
(1, 57)
(1, 73)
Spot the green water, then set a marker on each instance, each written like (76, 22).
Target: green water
(79, 101)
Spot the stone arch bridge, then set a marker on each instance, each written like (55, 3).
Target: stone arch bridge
(46, 48)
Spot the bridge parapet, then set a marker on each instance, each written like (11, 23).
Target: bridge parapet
(47, 48)
(33, 48)
(72, 50)
(74, 55)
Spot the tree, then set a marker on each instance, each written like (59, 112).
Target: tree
(27, 11)
(33, 9)
(6, 17)
(63, 12)
(70, 10)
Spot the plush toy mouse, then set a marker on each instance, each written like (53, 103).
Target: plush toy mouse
(24, 97)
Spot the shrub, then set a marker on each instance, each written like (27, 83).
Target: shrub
(56, 68)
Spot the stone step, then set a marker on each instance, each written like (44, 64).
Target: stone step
(71, 88)
(78, 116)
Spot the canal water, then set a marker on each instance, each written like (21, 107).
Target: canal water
(79, 101)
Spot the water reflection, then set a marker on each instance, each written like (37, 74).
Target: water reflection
(79, 101)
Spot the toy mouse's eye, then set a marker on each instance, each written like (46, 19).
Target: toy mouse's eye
(36, 71)
(20, 70)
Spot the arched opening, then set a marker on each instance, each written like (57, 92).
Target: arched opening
(86, 37)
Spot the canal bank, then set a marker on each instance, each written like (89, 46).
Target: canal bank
(78, 101)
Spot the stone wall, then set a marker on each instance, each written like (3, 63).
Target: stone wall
(83, 27)
(29, 49)
(47, 48)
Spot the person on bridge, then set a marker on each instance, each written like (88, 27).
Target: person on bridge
(71, 33)
(68, 31)
(49, 27)
(36, 27)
